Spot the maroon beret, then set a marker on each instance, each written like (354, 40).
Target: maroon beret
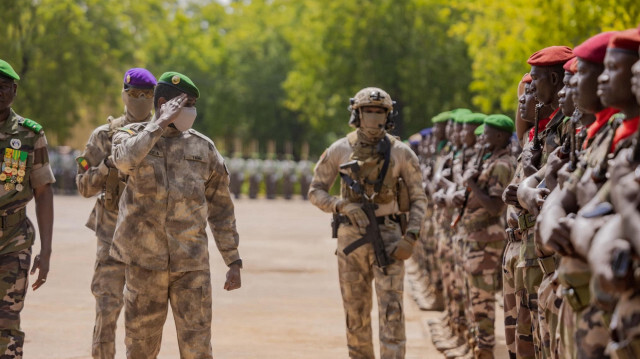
(594, 48)
(140, 78)
(627, 40)
(549, 56)
(569, 65)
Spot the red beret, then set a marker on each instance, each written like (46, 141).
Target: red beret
(549, 56)
(568, 66)
(594, 48)
(527, 78)
(628, 40)
(574, 66)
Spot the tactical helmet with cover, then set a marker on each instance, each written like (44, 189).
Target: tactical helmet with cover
(371, 96)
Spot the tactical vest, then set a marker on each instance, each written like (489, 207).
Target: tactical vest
(23, 139)
(371, 164)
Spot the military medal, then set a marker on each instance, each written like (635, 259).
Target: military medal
(3, 177)
(22, 166)
(15, 143)
(19, 187)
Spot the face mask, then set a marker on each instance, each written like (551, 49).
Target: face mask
(185, 119)
(138, 108)
(372, 124)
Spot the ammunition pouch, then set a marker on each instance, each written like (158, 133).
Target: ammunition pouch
(547, 264)
(628, 349)
(113, 190)
(404, 202)
(14, 219)
(526, 221)
(577, 297)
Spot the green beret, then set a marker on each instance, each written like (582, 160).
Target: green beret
(473, 118)
(179, 81)
(500, 122)
(7, 71)
(479, 130)
(442, 117)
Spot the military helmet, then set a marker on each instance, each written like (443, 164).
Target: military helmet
(371, 96)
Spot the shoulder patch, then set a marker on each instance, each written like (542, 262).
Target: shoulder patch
(127, 130)
(31, 124)
(83, 163)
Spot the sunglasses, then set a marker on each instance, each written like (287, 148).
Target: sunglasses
(139, 93)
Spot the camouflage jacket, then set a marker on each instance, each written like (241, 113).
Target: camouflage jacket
(404, 165)
(91, 181)
(38, 172)
(495, 175)
(177, 181)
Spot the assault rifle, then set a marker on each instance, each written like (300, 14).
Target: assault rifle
(467, 192)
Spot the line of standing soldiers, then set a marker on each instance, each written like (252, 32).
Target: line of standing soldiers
(284, 172)
(567, 246)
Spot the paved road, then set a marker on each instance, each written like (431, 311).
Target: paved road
(288, 307)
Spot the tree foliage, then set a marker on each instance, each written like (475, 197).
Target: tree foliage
(284, 70)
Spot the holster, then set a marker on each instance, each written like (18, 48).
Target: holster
(112, 190)
(628, 349)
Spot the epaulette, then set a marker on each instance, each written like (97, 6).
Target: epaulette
(31, 124)
(198, 134)
(127, 130)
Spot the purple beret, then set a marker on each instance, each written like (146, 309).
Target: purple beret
(140, 78)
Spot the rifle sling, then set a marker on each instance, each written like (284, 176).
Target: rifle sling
(355, 245)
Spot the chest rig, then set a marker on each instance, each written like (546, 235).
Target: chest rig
(368, 174)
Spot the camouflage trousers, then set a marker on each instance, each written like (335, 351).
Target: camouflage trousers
(548, 311)
(356, 272)
(14, 272)
(514, 313)
(433, 263)
(107, 286)
(482, 266)
(528, 279)
(592, 333)
(459, 288)
(147, 295)
(565, 334)
(625, 326)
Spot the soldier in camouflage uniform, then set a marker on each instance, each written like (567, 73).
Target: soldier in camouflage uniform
(305, 171)
(482, 221)
(254, 170)
(236, 169)
(177, 181)
(289, 173)
(371, 111)
(98, 176)
(26, 174)
(271, 171)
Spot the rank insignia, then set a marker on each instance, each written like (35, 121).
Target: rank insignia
(175, 79)
(15, 143)
(127, 130)
(83, 163)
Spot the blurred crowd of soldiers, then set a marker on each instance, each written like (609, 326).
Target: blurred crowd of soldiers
(552, 227)
(283, 176)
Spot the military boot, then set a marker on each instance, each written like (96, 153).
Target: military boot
(457, 352)
(454, 342)
(433, 302)
(483, 353)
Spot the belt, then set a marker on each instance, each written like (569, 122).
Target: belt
(12, 220)
(342, 219)
(577, 297)
(526, 221)
(547, 264)
(512, 236)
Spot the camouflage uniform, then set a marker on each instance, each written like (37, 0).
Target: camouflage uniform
(16, 230)
(358, 269)
(254, 171)
(236, 176)
(108, 276)
(484, 245)
(289, 176)
(305, 174)
(177, 181)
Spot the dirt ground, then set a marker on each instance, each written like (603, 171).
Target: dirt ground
(289, 305)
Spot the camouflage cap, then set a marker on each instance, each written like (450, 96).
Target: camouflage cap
(180, 82)
(7, 71)
(475, 118)
(501, 122)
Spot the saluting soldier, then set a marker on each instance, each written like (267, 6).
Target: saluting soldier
(26, 175)
(177, 182)
(97, 175)
(373, 162)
